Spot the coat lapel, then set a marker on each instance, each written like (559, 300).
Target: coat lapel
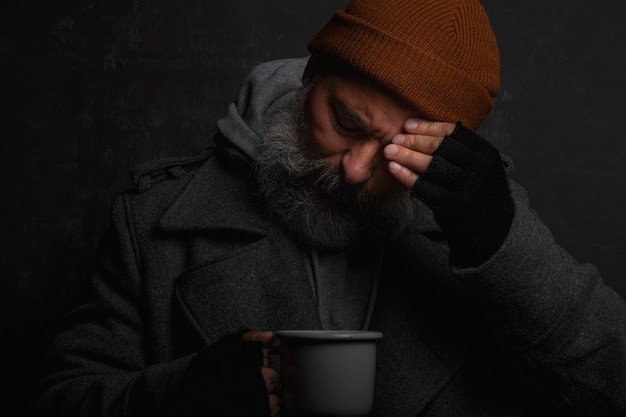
(214, 199)
(243, 273)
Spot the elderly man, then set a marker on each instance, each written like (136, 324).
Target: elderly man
(345, 190)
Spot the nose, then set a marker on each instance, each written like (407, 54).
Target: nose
(358, 162)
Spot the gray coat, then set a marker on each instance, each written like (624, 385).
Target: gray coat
(529, 330)
(191, 258)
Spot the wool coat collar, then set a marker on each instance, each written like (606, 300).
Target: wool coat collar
(200, 205)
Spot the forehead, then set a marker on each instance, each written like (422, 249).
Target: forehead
(355, 93)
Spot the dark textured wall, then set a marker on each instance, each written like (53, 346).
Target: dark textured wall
(93, 88)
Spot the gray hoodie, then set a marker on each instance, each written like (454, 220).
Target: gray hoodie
(268, 87)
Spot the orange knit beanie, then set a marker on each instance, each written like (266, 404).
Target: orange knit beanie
(441, 56)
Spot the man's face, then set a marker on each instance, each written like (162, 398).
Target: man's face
(350, 120)
(321, 171)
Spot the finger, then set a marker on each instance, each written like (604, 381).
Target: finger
(428, 127)
(272, 379)
(265, 338)
(412, 159)
(402, 174)
(275, 404)
(421, 143)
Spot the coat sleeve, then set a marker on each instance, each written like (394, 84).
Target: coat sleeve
(567, 323)
(97, 363)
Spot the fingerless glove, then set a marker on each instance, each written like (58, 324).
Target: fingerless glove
(224, 379)
(467, 188)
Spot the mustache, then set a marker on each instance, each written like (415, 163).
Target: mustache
(329, 185)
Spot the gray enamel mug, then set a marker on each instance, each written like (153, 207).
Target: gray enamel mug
(327, 372)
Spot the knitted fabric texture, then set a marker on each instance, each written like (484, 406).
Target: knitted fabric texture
(440, 56)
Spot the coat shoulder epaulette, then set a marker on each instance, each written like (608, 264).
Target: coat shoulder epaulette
(147, 174)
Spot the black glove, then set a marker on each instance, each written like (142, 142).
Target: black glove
(467, 189)
(224, 379)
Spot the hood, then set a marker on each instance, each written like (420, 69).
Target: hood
(267, 88)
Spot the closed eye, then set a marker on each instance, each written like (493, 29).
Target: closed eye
(345, 125)
(347, 121)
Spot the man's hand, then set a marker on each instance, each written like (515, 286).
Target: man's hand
(232, 377)
(461, 177)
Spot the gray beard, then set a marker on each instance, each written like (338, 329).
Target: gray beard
(311, 199)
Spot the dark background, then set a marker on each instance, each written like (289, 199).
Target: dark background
(91, 88)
